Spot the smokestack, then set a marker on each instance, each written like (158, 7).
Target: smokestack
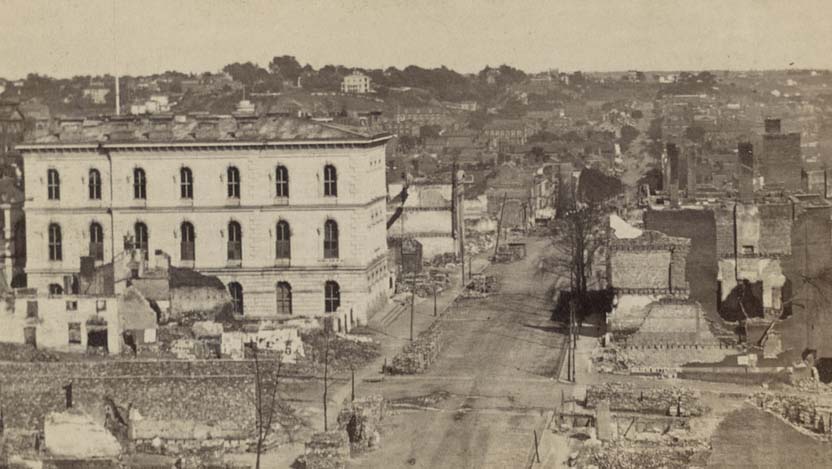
(673, 170)
(745, 166)
(118, 98)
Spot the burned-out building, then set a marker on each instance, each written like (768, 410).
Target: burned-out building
(780, 158)
(652, 302)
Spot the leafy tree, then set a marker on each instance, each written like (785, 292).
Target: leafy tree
(287, 67)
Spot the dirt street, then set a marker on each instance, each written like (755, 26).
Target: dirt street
(493, 385)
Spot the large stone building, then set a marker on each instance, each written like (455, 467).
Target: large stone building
(289, 214)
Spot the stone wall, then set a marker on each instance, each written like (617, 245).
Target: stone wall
(418, 355)
(624, 397)
(799, 410)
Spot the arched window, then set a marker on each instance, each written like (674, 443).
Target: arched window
(186, 183)
(235, 241)
(283, 240)
(187, 250)
(284, 298)
(281, 178)
(330, 181)
(53, 184)
(233, 182)
(332, 296)
(330, 239)
(56, 289)
(94, 183)
(141, 237)
(139, 184)
(96, 241)
(55, 243)
(236, 291)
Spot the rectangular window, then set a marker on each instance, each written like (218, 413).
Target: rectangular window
(31, 309)
(101, 305)
(748, 250)
(75, 333)
(72, 306)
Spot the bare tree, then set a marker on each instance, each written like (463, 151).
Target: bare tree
(576, 240)
(266, 399)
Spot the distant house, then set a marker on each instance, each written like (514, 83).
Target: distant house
(356, 82)
(98, 95)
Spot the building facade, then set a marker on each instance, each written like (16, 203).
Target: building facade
(289, 214)
(355, 82)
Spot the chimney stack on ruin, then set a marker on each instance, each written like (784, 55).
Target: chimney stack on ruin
(745, 166)
(673, 173)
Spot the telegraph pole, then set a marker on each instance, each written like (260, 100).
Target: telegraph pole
(412, 304)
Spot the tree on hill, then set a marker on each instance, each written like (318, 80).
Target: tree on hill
(253, 76)
(287, 67)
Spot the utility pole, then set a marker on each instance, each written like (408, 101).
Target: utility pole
(326, 373)
(500, 224)
(412, 304)
(434, 299)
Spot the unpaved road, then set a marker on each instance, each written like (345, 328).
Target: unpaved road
(492, 386)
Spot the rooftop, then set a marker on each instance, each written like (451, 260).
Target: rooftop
(202, 128)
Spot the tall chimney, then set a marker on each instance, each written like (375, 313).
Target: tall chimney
(118, 98)
(673, 173)
(745, 167)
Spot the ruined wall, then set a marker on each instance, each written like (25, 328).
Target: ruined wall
(185, 300)
(223, 403)
(701, 267)
(626, 398)
(640, 270)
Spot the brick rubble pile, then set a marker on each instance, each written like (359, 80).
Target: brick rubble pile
(418, 355)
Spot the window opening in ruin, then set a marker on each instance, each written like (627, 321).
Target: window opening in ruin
(141, 238)
(96, 241)
(236, 291)
(284, 298)
(139, 184)
(72, 306)
(330, 181)
(332, 296)
(53, 180)
(97, 336)
(30, 336)
(75, 333)
(281, 181)
(233, 182)
(186, 183)
(55, 243)
(56, 289)
(283, 240)
(235, 241)
(94, 184)
(187, 246)
(330, 239)
(748, 250)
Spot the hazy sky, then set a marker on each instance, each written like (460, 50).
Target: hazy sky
(70, 37)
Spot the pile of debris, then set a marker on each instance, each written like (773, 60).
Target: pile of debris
(611, 359)
(624, 397)
(510, 252)
(362, 421)
(326, 450)
(418, 355)
(801, 411)
(476, 243)
(425, 283)
(480, 286)
(442, 260)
